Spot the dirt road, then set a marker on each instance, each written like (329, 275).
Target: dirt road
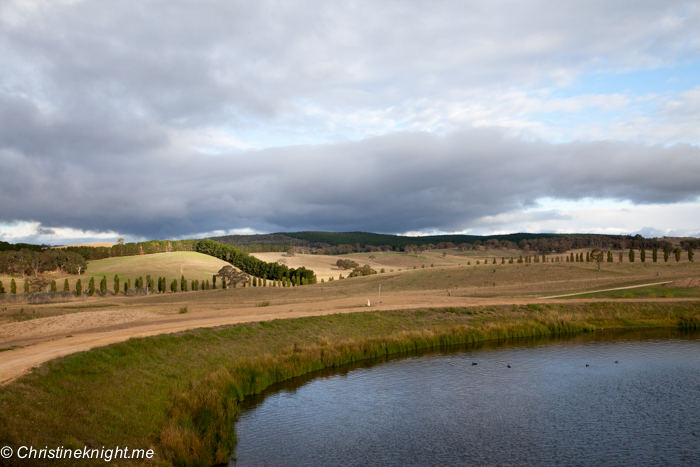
(37, 341)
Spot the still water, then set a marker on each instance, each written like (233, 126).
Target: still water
(438, 408)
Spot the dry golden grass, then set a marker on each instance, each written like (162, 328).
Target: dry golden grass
(498, 282)
(171, 265)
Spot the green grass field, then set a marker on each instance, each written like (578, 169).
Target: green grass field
(656, 291)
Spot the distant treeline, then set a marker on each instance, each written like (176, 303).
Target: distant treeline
(562, 243)
(693, 243)
(277, 240)
(132, 249)
(26, 262)
(398, 241)
(357, 242)
(4, 246)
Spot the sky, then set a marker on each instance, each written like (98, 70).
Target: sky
(176, 119)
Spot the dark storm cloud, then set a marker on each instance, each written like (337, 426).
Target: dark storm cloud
(394, 183)
(96, 100)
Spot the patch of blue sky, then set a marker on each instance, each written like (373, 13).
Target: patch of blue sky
(593, 116)
(564, 205)
(310, 126)
(670, 79)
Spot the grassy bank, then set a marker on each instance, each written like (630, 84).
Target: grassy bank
(178, 394)
(655, 291)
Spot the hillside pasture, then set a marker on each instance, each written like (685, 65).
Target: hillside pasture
(171, 265)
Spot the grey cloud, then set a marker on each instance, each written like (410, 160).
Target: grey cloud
(394, 183)
(189, 62)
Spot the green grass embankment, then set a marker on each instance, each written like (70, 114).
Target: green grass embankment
(179, 394)
(655, 291)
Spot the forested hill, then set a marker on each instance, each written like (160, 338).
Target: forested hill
(397, 241)
(353, 242)
(324, 239)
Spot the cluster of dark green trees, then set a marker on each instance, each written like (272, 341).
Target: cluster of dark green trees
(6, 246)
(346, 264)
(254, 266)
(27, 262)
(362, 271)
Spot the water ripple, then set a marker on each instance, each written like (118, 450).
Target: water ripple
(548, 408)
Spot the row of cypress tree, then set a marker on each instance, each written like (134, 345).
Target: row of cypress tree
(161, 285)
(580, 258)
(655, 254)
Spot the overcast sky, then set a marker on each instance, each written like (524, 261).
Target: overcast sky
(179, 119)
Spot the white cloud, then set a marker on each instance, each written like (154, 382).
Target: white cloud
(600, 217)
(34, 232)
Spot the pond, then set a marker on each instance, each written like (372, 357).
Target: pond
(607, 398)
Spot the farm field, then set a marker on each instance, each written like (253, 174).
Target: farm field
(431, 279)
(170, 265)
(100, 320)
